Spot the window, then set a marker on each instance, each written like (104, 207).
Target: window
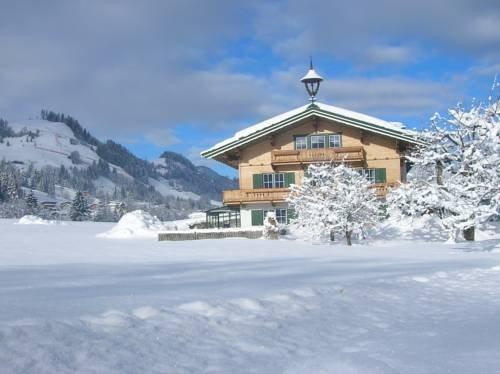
(335, 141)
(369, 175)
(317, 141)
(279, 213)
(268, 180)
(281, 216)
(301, 142)
(279, 180)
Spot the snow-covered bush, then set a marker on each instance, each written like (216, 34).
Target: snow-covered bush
(334, 199)
(461, 157)
(271, 229)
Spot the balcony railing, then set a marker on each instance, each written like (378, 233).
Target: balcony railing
(348, 154)
(272, 195)
(232, 197)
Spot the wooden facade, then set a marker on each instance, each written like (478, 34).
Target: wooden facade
(277, 156)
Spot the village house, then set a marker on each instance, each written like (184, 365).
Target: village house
(273, 154)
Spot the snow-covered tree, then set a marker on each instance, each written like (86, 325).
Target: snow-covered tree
(334, 199)
(460, 162)
(79, 208)
(31, 203)
(271, 229)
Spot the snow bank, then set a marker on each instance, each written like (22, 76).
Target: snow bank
(34, 220)
(426, 228)
(141, 224)
(136, 224)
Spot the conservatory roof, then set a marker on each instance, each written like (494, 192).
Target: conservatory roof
(362, 121)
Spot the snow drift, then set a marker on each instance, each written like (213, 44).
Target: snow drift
(141, 224)
(34, 220)
(136, 224)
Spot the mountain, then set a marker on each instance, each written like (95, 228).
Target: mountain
(56, 153)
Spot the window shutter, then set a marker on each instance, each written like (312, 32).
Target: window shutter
(257, 217)
(290, 214)
(289, 179)
(380, 176)
(257, 181)
(309, 142)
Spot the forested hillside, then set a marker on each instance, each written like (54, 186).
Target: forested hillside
(56, 156)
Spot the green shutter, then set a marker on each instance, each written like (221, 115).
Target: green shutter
(290, 214)
(289, 179)
(380, 176)
(257, 217)
(309, 142)
(257, 181)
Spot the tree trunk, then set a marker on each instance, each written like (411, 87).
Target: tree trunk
(332, 236)
(439, 173)
(469, 233)
(348, 235)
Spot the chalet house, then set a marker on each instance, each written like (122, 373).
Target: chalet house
(273, 154)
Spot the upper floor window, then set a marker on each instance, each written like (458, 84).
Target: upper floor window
(301, 142)
(335, 141)
(273, 180)
(317, 141)
(267, 180)
(279, 180)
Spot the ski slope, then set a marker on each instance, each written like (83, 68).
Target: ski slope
(53, 146)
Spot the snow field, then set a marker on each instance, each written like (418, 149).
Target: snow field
(72, 302)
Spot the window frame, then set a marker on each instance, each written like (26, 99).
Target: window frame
(282, 218)
(281, 181)
(370, 178)
(334, 136)
(302, 137)
(318, 136)
(268, 183)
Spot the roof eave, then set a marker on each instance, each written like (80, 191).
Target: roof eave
(310, 111)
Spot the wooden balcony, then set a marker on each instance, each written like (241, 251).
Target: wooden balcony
(303, 156)
(271, 195)
(276, 195)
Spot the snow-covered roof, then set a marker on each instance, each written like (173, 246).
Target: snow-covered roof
(348, 117)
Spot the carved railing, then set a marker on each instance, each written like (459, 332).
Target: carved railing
(255, 195)
(236, 197)
(348, 154)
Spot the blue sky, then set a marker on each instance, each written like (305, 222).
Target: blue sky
(183, 75)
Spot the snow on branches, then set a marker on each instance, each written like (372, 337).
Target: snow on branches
(459, 168)
(334, 199)
(271, 229)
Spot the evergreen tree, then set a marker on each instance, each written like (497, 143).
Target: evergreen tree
(79, 208)
(31, 203)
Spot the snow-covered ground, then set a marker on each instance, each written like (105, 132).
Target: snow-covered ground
(74, 302)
